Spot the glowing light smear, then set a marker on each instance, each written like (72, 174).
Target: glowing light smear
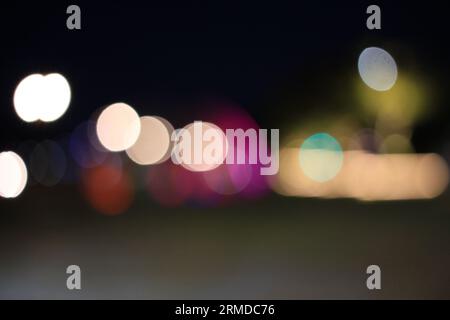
(118, 127)
(365, 139)
(228, 179)
(39, 97)
(172, 185)
(13, 175)
(154, 143)
(169, 184)
(108, 189)
(396, 143)
(377, 69)
(245, 177)
(369, 177)
(82, 148)
(398, 108)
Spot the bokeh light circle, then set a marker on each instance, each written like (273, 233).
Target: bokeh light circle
(229, 179)
(57, 97)
(39, 97)
(170, 185)
(321, 157)
(108, 189)
(27, 97)
(118, 127)
(48, 163)
(202, 147)
(377, 68)
(154, 142)
(246, 177)
(13, 174)
(84, 146)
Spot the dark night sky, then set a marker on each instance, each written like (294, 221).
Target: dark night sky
(163, 58)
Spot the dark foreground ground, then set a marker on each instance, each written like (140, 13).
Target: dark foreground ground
(275, 248)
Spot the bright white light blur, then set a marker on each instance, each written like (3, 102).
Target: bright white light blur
(57, 97)
(28, 97)
(13, 174)
(377, 69)
(39, 97)
(118, 127)
(154, 143)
